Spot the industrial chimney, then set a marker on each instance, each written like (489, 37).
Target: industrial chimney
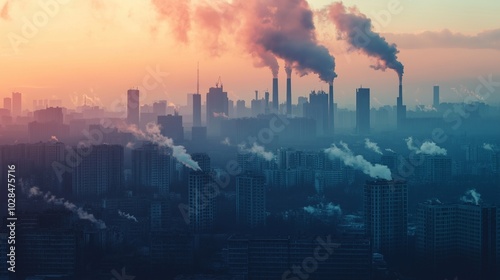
(275, 94)
(401, 109)
(330, 107)
(288, 90)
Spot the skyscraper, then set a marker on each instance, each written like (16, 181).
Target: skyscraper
(217, 108)
(203, 161)
(133, 106)
(7, 104)
(363, 110)
(196, 110)
(250, 200)
(317, 109)
(160, 108)
(201, 201)
(171, 127)
(386, 216)
(100, 172)
(151, 168)
(16, 104)
(435, 102)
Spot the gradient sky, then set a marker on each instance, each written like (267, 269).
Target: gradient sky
(101, 48)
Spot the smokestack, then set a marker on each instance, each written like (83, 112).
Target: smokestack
(266, 94)
(288, 70)
(256, 95)
(401, 109)
(330, 107)
(275, 95)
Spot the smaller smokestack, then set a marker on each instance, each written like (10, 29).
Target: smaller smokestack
(256, 95)
(275, 95)
(266, 96)
(331, 107)
(288, 70)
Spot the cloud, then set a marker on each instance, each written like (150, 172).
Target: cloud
(390, 150)
(358, 162)
(372, 146)
(489, 39)
(488, 147)
(427, 148)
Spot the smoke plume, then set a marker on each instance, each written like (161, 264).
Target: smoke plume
(372, 146)
(427, 148)
(51, 199)
(4, 12)
(488, 147)
(258, 150)
(153, 134)
(226, 142)
(288, 68)
(53, 139)
(178, 14)
(390, 150)
(357, 29)
(358, 162)
(127, 216)
(329, 209)
(471, 196)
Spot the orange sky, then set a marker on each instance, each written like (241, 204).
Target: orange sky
(102, 48)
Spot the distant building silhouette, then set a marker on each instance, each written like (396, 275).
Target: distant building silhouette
(16, 104)
(7, 104)
(317, 109)
(133, 106)
(196, 110)
(250, 200)
(151, 168)
(435, 102)
(171, 127)
(363, 110)
(217, 109)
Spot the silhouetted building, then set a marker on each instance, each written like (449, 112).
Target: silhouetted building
(151, 168)
(171, 127)
(203, 161)
(49, 115)
(458, 238)
(133, 106)
(100, 172)
(217, 109)
(16, 104)
(317, 109)
(196, 110)
(7, 104)
(160, 108)
(386, 216)
(435, 99)
(363, 110)
(250, 200)
(201, 202)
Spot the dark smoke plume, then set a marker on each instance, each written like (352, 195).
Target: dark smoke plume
(357, 30)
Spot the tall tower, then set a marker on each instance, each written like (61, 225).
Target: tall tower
(217, 108)
(276, 103)
(250, 200)
(16, 104)
(133, 106)
(386, 215)
(196, 110)
(201, 201)
(288, 70)
(435, 102)
(363, 110)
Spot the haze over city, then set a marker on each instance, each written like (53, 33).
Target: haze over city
(249, 139)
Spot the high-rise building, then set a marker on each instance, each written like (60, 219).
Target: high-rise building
(151, 166)
(7, 104)
(363, 110)
(217, 109)
(289, 92)
(317, 109)
(240, 108)
(386, 216)
(250, 200)
(100, 172)
(160, 108)
(203, 161)
(49, 115)
(171, 127)
(201, 201)
(458, 238)
(435, 102)
(196, 110)
(133, 106)
(16, 104)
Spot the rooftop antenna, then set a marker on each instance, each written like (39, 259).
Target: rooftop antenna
(198, 79)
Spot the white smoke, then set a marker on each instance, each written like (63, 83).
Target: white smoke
(220, 115)
(53, 139)
(488, 147)
(358, 162)
(329, 209)
(51, 199)
(226, 142)
(434, 201)
(153, 134)
(127, 216)
(390, 150)
(257, 150)
(471, 196)
(427, 148)
(130, 145)
(372, 146)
